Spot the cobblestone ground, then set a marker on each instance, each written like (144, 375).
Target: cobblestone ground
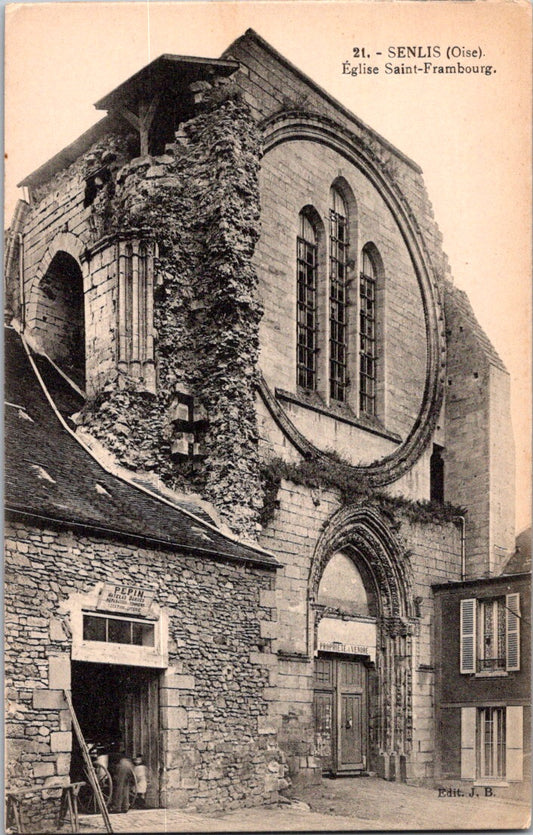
(337, 805)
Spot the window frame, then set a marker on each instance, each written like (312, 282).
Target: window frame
(368, 286)
(491, 743)
(306, 304)
(473, 633)
(338, 296)
(131, 621)
(511, 744)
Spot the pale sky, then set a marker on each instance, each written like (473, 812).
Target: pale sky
(469, 133)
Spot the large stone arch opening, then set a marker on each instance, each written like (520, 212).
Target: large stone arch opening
(362, 621)
(58, 321)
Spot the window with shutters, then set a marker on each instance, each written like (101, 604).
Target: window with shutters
(490, 635)
(492, 743)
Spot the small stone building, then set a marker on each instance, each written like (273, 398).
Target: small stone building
(245, 285)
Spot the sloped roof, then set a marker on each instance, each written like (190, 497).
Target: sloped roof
(520, 561)
(252, 35)
(170, 72)
(164, 73)
(50, 475)
(70, 154)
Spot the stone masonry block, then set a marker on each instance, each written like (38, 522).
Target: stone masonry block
(265, 725)
(56, 630)
(59, 672)
(264, 659)
(61, 741)
(43, 770)
(169, 697)
(65, 720)
(267, 597)
(174, 718)
(178, 681)
(268, 629)
(49, 700)
(63, 764)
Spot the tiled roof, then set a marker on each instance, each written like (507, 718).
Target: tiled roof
(49, 474)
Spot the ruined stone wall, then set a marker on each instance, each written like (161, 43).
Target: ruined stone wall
(199, 204)
(59, 222)
(217, 744)
(431, 554)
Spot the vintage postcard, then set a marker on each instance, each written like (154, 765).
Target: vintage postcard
(267, 425)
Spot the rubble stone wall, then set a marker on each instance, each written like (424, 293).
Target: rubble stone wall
(218, 745)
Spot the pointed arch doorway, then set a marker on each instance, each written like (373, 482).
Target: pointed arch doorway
(344, 676)
(362, 617)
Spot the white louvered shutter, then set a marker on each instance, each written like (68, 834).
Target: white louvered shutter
(514, 733)
(512, 631)
(468, 636)
(468, 743)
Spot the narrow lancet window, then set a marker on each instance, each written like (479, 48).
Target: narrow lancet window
(367, 328)
(306, 304)
(338, 238)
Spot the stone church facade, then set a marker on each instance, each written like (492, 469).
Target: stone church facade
(246, 285)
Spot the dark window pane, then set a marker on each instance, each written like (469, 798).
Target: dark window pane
(94, 628)
(120, 632)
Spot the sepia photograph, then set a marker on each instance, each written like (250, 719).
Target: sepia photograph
(267, 434)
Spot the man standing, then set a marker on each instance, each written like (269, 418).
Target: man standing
(124, 777)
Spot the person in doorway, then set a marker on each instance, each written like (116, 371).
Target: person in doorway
(141, 776)
(123, 778)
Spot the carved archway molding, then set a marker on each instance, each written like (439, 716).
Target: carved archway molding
(291, 126)
(361, 532)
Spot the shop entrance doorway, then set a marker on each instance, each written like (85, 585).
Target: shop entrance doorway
(341, 714)
(118, 707)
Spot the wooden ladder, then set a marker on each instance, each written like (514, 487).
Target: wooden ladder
(91, 773)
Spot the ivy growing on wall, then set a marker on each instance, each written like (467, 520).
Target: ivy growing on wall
(200, 203)
(338, 475)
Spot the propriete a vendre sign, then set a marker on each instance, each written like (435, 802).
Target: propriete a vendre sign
(129, 600)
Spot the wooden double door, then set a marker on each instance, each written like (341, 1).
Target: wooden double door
(117, 704)
(341, 714)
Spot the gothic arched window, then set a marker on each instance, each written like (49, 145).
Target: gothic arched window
(338, 256)
(367, 333)
(307, 325)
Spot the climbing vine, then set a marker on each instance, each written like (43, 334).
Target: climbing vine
(338, 475)
(200, 204)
